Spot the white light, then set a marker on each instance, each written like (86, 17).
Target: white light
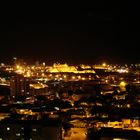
(56, 108)
(44, 64)
(18, 134)
(34, 130)
(8, 128)
(2, 64)
(61, 78)
(22, 90)
(122, 71)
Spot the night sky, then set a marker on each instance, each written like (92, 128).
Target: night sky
(73, 33)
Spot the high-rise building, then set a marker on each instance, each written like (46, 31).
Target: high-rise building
(19, 85)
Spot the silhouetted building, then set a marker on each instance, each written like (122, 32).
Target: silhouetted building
(4, 90)
(29, 130)
(19, 85)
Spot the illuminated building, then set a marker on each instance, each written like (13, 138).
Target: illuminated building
(65, 68)
(19, 86)
(38, 89)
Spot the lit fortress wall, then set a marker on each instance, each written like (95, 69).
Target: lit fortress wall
(65, 68)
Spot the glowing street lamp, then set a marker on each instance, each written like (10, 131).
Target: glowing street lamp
(18, 67)
(104, 64)
(122, 84)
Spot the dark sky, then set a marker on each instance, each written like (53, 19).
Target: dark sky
(71, 32)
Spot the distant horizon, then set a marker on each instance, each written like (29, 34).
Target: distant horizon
(48, 62)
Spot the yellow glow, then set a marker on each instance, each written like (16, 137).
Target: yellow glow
(20, 71)
(128, 105)
(85, 66)
(122, 70)
(28, 74)
(33, 67)
(106, 81)
(73, 77)
(79, 77)
(57, 75)
(17, 66)
(104, 64)
(66, 68)
(43, 74)
(122, 84)
(83, 78)
(38, 86)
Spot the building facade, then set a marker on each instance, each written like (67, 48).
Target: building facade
(19, 85)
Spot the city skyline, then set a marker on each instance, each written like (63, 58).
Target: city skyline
(70, 70)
